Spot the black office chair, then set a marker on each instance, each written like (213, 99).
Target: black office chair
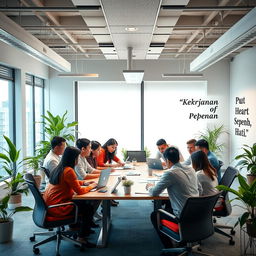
(223, 207)
(138, 155)
(43, 221)
(46, 171)
(194, 224)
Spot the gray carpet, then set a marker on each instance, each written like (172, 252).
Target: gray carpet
(131, 234)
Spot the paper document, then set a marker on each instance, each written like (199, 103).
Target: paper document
(116, 174)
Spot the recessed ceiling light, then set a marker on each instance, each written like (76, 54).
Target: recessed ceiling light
(131, 29)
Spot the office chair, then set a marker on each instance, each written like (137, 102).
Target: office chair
(139, 155)
(194, 224)
(223, 207)
(46, 171)
(47, 222)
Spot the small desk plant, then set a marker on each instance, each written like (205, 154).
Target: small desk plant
(127, 186)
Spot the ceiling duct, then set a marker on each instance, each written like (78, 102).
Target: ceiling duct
(132, 76)
(14, 35)
(243, 32)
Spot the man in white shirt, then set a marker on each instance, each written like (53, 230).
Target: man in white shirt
(162, 146)
(191, 149)
(58, 145)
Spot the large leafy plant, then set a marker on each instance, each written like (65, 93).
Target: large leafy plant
(5, 215)
(55, 126)
(247, 195)
(248, 159)
(212, 135)
(9, 162)
(33, 162)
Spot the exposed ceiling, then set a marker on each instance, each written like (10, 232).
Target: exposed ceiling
(97, 29)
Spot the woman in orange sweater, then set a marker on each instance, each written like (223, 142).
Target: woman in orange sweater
(108, 154)
(63, 185)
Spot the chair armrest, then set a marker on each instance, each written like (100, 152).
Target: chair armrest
(65, 204)
(164, 214)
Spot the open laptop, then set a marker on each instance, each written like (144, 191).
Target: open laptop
(114, 190)
(154, 163)
(103, 179)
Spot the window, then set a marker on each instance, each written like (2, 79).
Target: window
(6, 107)
(34, 112)
(110, 110)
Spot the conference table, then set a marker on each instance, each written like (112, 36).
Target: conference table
(139, 175)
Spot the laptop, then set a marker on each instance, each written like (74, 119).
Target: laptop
(138, 155)
(103, 179)
(154, 163)
(114, 190)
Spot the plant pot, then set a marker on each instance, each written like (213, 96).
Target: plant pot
(6, 230)
(251, 230)
(15, 201)
(127, 190)
(250, 178)
(37, 179)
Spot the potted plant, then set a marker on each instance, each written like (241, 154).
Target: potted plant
(248, 161)
(247, 195)
(33, 162)
(127, 186)
(6, 221)
(15, 184)
(124, 153)
(212, 136)
(148, 153)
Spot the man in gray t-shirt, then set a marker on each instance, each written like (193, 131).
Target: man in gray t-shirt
(181, 183)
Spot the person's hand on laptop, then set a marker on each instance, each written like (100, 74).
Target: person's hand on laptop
(149, 185)
(93, 185)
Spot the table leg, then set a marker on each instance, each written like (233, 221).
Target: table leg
(106, 223)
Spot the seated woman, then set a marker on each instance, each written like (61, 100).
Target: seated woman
(83, 169)
(206, 174)
(63, 184)
(108, 155)
(95, 152)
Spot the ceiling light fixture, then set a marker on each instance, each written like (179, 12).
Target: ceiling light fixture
(78, 75)
(243, 32)
(131, 29)
(14, 35)
(182, 75)
(132, 76)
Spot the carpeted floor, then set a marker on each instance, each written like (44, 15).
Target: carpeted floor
(131, 234)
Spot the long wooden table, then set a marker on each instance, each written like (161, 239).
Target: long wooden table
(138, 193)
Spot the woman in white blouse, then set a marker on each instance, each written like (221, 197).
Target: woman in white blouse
(206, 174)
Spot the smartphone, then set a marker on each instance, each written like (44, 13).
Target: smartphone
(103, 191)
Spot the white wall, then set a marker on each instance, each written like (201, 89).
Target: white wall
(217, 77)
(243, 86)
(22, 63)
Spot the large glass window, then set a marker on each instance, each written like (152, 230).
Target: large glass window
(34, 112)
(110, 110)
(6, 107)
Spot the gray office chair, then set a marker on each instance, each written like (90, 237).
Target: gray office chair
(194, 224)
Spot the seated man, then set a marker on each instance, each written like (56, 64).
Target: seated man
(191, 149)
(181, 182)
(58, 145)
(204, 146)
(162, 146)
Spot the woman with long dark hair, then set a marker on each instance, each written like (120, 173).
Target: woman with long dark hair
(108, 155)
(63, 185)
(206, 174)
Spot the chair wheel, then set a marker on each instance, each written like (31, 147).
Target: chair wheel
(75, 236)
(232, 231)
(231, 242)
(199, 249)
(32, 238)
(36, 251)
